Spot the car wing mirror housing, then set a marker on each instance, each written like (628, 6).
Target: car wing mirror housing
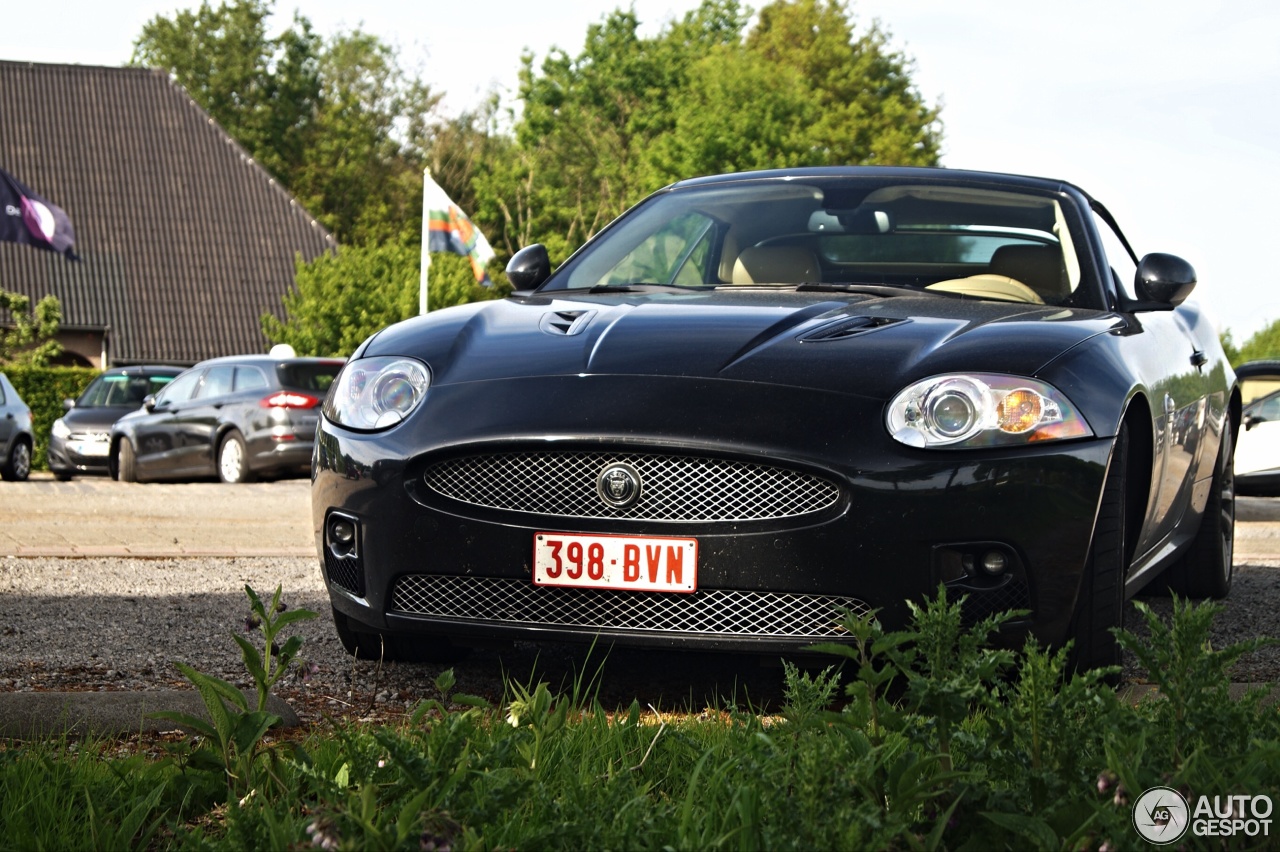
(149, 402)
(68, 404)
(1163, 281)
(529, 267)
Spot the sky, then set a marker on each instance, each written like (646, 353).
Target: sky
(1168, 112)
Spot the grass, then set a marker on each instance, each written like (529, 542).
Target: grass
(924, 739)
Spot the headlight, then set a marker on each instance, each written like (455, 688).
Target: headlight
(377, 393)
(982, 410)
(60, 429)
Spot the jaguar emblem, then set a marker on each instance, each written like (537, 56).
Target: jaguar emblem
(619, 486)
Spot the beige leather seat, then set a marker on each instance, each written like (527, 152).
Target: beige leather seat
(1039, 267)
(776, 265)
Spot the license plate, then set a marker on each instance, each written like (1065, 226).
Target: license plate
(91, 448)
(644, 563)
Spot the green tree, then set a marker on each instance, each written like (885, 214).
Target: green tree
(1263, 344)
(629, 114)
(338, 121)
(264, 92)
(29, 338)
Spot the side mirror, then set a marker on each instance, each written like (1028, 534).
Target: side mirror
(68, 404)
(1251, 420)
(149, 402)
(1165, 280)
(529, 267)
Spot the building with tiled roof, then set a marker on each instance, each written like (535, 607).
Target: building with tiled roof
(184, 240)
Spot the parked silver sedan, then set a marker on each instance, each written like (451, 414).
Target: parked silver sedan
(15, 433)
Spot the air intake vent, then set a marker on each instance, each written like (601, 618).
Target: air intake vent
(565, 323)
(849, 326)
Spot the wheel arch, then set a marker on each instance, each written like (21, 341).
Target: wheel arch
(1141, 465)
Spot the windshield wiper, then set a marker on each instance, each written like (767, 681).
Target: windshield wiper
(850, 287)
(642, 287)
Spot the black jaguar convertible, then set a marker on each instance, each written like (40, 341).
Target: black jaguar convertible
(757, 400)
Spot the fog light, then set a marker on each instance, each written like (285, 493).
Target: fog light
(994, 563)
(343, 531)
(342, 536)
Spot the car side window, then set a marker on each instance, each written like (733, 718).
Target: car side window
(216, 382)
(1123, 269)
(250, 378)
(180, 389)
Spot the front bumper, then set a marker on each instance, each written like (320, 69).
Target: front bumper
(76, 456)
(905, 521)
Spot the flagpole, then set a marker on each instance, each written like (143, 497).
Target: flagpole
(426, 243)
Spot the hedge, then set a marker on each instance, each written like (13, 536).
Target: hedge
(43, 389)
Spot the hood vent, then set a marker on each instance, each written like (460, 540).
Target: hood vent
(848, 327)
(565, 323)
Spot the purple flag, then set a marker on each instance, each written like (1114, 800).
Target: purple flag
(25, 217)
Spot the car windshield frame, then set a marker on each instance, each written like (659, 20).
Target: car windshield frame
(915, 233)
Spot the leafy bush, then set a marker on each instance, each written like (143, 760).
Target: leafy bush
(44, 389)
(944, 743)
(341, 298)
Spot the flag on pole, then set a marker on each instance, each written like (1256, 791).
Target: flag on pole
(30, 219)
(447, 229)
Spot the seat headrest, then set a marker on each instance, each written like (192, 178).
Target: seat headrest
(776, 265)
(1039, 267)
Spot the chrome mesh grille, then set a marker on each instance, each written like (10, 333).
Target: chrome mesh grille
(709, 611)
(675, 488)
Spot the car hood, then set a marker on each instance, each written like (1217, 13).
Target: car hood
(849, 343)
(96, 419)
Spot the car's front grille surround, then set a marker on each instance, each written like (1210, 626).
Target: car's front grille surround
(678, 488)
(707, 612)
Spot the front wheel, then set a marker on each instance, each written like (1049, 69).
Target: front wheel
(1206, 570)
(233, 459)
(1100, 607)
(17, 467)
(126, 462)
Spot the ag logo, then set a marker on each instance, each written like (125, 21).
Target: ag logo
(618, 486)
(1161, 815)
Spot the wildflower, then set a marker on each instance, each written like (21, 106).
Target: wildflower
(306, 670)
(323, 835)
(252, 623)
(1106, 781)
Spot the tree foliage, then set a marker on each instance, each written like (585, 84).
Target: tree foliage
(337, 121)
(1263, 344)
(342, 297)
(630, 114)
(28, 338)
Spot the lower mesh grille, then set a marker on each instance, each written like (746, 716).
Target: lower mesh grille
(709, 612)
(347, 573)
(982, 603)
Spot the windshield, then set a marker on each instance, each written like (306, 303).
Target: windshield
(947, 238)
(123, 390)
(308, 375)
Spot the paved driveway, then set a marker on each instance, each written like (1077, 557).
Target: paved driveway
(99, 517)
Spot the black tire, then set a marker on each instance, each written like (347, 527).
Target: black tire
(370, 645)
(233, 459)
(126, 462)
(17, 467)
(1100, 606)
(1207, 568)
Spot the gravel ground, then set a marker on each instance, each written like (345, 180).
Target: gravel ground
(116, 623)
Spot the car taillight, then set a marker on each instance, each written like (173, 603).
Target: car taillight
(289, 399)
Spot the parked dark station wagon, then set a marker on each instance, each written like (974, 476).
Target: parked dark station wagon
(758, 400)
(235, 418)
